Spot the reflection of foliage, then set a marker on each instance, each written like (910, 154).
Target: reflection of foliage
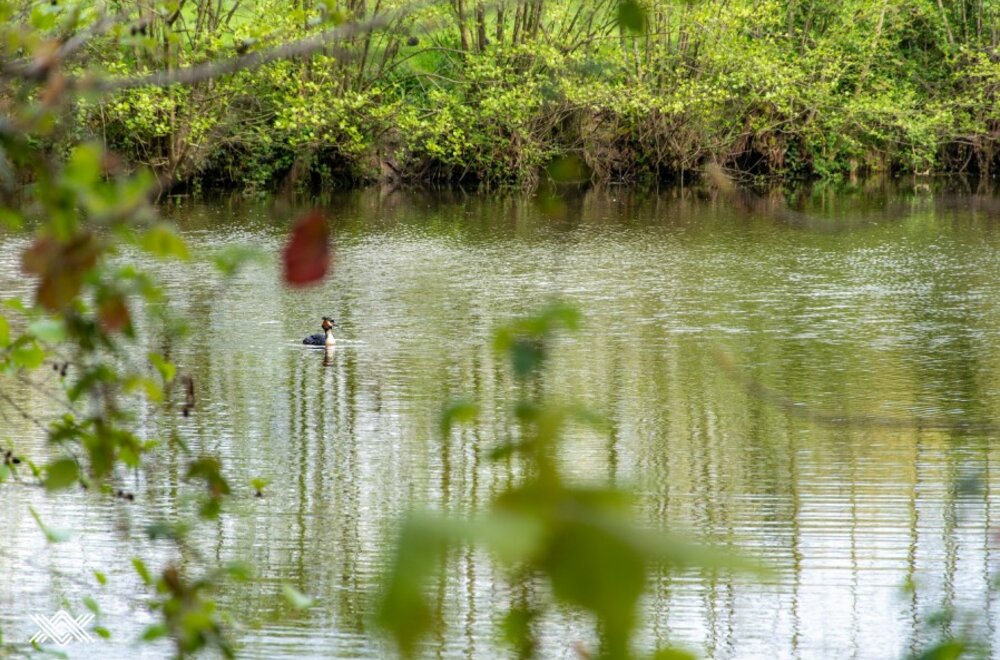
(578, 539)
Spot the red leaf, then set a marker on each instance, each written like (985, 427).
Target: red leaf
(113, 313)
(61, 268)
(307, 254)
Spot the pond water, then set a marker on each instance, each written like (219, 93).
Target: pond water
(819, 391)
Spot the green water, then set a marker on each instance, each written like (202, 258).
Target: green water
(849, 444)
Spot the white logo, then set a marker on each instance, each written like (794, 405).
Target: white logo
(61, 628)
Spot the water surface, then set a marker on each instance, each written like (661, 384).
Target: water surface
(881, 311)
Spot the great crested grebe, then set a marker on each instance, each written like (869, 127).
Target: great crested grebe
(325, 339)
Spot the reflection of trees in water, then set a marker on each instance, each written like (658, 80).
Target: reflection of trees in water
(350, 444)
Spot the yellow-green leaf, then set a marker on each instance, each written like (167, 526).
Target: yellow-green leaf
(161, 241)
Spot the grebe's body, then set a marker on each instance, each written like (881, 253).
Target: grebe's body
(325, 339)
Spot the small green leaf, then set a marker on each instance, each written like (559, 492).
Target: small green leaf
(155, 631)
(103, 632)
(101, 578)
(28, 355)
(84, 166)
(175, 531)
(51, 535)
(950, 649)
(4, 332)
(152, 389)
(233, 257)
(51, 331)
(11, 218)
(161, 241)
(167, 369)
(92, 605)
(140, 568)
(239, 570)
(568, 169)
(673, 654)
(459, 410)
(296, 598)
(16, 304)
(60, 474)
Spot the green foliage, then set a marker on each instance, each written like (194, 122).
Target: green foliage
(77, 326)
(635, 90)
(609, 90)
(578, 539)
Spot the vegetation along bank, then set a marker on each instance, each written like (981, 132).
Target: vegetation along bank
(490, 93)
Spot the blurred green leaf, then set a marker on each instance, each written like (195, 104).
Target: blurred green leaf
(209, 469)
(403, 610)
(296, 598)
(160, 240)
(51, 535)
(140, 568)
(632, 15)
(92, 605)
(513, 537)
(526, 355)
(947, 650)
(597, 570)
(51, 331)
(84, 166)
(167, 369)
(61, 474)
(154, 632)
(28, 355)
(11, 218)
(239, 570)
(516, 628)
(673, 654)
(230, 259)
(568, 169)
(152, 389)
(175, 531)
(16, 304)
(460, 411)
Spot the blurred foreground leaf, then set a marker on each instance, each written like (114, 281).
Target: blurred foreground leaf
(307, 254)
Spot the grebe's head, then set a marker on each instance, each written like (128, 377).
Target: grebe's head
(328, 323)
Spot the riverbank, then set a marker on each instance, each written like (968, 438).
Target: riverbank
(493, 96)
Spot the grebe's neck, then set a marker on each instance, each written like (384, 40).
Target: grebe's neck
(329, 341)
